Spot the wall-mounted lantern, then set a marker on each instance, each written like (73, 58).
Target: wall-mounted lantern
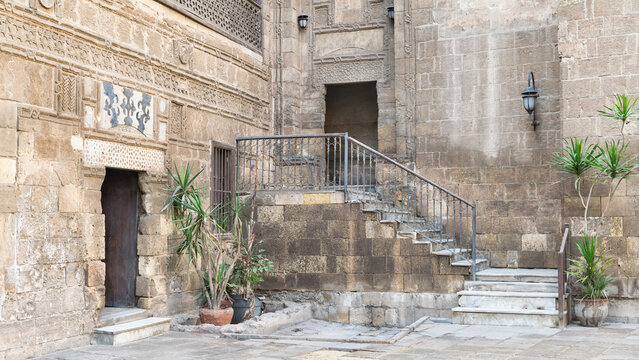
(302, 20)
(530, 96)
(391, 11)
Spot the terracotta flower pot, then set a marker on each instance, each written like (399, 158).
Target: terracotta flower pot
(591, 312)
(217, 317)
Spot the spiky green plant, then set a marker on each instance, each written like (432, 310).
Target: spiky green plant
(205, 240)
(614, 164)
(591, 270)
(622, 109)
(576, 158)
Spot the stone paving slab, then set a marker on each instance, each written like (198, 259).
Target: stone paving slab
(429, 340)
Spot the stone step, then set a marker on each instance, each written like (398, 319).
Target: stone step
(479, 263)
(451, 252)
(130, 331)
(526, 275)
(510, 286)
(508, 300)
(113, 316)
(506, 317)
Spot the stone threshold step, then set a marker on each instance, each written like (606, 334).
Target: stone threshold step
(521, 294)
(114, 316)
(130, 331)
(506, 311)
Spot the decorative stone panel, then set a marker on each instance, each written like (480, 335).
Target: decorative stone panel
(123, 106)
(348, 72)
(110, 154)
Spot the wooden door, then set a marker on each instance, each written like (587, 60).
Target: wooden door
(120, 208)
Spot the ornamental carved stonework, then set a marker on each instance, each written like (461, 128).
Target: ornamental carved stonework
(176, 120)
(348, 72)
(183, 52)
(66, 93)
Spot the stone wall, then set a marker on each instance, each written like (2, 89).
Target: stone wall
(319, 244)
(471, 132)
(86, 85)
(598, 47)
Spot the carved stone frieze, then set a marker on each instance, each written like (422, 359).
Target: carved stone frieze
(35, 38)
(348, 72)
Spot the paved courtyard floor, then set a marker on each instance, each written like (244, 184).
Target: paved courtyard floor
(428, 341)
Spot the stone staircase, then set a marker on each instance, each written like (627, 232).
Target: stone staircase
(419, 230)
(119, 326)
(515, 297)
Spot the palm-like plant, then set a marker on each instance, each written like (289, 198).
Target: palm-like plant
(615, 165)
(210, 249)
(577, 158)
(591, 271)
(622, 109)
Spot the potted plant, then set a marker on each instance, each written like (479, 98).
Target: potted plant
(246, 274)
(606, 165)
(590, 273)
(210, 247)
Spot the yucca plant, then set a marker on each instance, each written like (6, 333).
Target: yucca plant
(210, 248)
(622, 109)
(591, 163)
(591, 270)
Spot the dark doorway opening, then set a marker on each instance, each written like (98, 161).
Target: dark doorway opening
(120, 208)
(353, 108)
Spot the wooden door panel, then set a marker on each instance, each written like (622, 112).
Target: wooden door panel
(120, 208)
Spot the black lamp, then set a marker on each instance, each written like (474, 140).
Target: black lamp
(530, 96)
(391, 11)
(302, 20)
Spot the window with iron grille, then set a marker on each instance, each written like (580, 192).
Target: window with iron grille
(240, 20)
(222, 180)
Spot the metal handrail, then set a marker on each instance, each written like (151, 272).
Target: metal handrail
(336, 161)
(561, 273)
(368, 148)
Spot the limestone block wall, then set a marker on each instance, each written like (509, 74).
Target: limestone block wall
(598, 48)
(319, 244)
(471, 132)
(86, 85)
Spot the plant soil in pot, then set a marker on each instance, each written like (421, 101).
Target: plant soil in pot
(591, 312)
(243, 309)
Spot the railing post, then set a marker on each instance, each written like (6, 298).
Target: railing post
(474, 232)
(346, 167)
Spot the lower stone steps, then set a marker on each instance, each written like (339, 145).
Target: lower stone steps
(122, 325)
(514, 297)
(130, 331)
(113, 316)
(509, 317)
(507, 300)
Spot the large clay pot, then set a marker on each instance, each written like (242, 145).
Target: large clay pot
(217, 317)
(591, 312)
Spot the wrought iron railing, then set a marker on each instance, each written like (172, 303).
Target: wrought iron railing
(562, 278)
(339, 162)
